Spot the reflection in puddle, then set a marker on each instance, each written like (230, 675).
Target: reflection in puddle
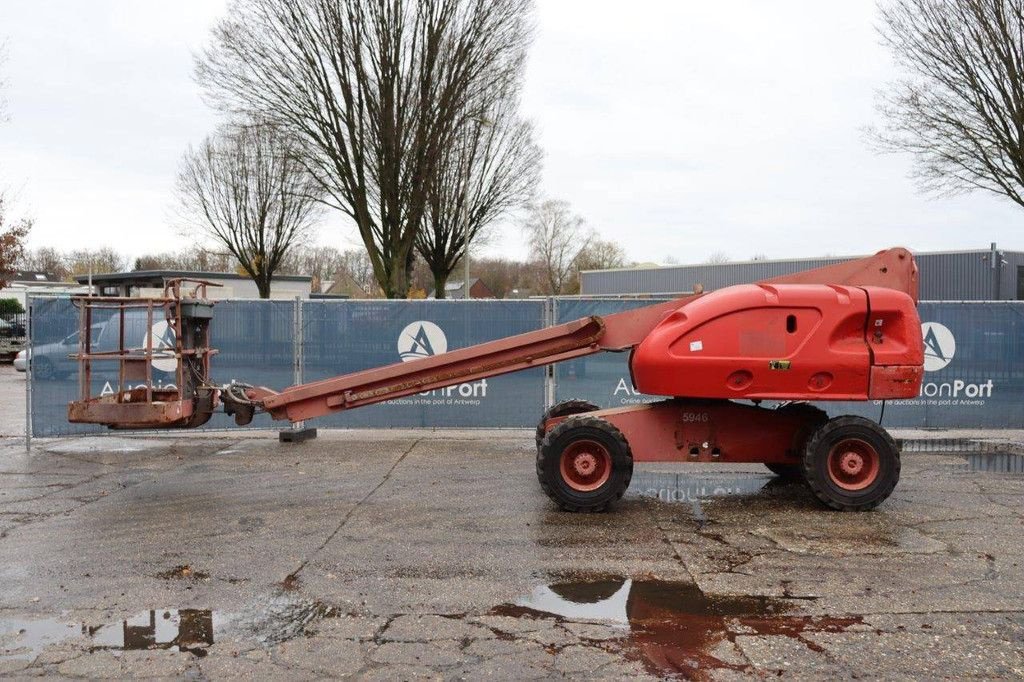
(684, 487)
(999, 463)
(189, 630)
(673, 627)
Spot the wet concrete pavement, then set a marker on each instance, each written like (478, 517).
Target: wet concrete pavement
(12, 402)
(399, 556)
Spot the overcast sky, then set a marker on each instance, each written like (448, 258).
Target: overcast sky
(677, 128)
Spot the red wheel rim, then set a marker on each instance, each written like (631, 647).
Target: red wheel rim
(586, 465)
(853, 464)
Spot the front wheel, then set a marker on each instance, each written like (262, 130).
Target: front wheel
(584, 464)
(851, 464)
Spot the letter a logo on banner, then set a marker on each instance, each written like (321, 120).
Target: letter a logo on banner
(939, 346)
(421, 339)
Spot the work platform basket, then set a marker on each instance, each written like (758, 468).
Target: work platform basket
(151, 356)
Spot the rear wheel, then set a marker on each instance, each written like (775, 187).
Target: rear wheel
(851, 464)
(566, 408)
(584, 464)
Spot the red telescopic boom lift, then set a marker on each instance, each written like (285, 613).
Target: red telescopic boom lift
(843, 332)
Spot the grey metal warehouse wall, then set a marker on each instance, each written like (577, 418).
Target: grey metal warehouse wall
(955, 276)
(974, 378)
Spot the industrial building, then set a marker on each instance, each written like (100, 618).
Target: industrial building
(986, 275)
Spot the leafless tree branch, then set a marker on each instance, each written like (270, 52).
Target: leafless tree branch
(247, 189)
(557, 237)
(960, 109)
(491, 168)
(374, 89)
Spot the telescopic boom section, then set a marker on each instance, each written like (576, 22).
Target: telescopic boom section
(533, 349)
(892, 269)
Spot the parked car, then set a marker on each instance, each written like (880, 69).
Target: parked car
(11, 329)
(51, 360)
(55, 361)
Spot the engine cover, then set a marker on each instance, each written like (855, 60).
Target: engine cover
(786, 342)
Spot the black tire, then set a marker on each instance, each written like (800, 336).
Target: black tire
(566, 408)
(820, 463)
(595, 431)
(794, 471)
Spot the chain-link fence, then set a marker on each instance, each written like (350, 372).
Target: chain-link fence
(13, 328)
(974, 361)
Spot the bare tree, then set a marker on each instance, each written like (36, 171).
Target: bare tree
(491, 168)
(355, 264)
(246, 189)
(598, 254)
(12, 242)
(193, 259)
(960, 109)
(66, 265)
(556, 237)
(507, 278)
(97, 261)
(375, 90)
(602, 254)
(46, 259)
(718, 258)
(319, 262)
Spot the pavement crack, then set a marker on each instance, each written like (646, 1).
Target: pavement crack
(291, 580)
(668, 540)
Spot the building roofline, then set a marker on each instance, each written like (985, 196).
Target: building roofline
(171, 274)
(804, 259)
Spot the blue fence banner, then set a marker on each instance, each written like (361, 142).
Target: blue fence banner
(278, 344)
(974, 369)
(974, 361)
(339, 337)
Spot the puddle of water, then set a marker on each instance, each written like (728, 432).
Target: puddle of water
(673, 627)
(186, 630)
(683, 487)
(998, 462)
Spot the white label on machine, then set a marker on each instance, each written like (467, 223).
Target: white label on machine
(696, 346)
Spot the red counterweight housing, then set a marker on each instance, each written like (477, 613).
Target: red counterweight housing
(785, 342)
